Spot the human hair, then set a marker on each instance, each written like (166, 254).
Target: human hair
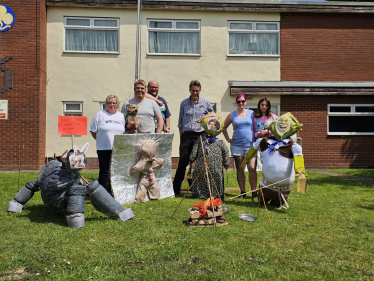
(195, 83)
(141, 82)
(268, 112)
(240, 96)
(110, 97)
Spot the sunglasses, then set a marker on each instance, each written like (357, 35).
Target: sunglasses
(112, 103)
(240, 101)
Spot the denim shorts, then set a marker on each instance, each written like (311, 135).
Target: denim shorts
(238, 150)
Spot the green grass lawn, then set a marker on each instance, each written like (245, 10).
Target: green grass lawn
(327, 234)
(367, 173)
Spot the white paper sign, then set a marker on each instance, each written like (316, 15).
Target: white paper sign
(3, 109)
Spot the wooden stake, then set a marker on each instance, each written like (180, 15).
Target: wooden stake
(72, 141)
(207, 178)
(265, 206)
(64, 153)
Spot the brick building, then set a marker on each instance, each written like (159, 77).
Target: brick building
(322, 72)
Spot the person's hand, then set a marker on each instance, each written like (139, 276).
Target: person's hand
(230, 140)
(167, 130)
(264, 133)
(160, 103)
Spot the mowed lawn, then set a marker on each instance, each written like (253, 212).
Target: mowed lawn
(327, 234)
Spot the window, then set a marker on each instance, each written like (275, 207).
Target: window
(253, 38)
(102, 105)
(173, 37)
(350, 119)
(95, 35)
(73, 108)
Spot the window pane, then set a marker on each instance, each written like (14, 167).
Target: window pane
(364, 109)
(174, 42)
(73, 114)
(73, 106)
(242, 43)
(160, 24)
(246, 26)
(91, 40)
(187, 25)
(340, 109)
(266, 26)
(112, 23)
(80, 22)
(358, 124)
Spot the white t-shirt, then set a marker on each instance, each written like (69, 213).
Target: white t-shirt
(147, 110)
(106, 125)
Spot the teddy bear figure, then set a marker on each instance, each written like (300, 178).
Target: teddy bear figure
(146, 166)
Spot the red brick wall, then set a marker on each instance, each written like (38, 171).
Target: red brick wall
(321, 150)
(23, 134)
(327, 47)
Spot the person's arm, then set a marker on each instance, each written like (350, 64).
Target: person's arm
(167, 123)
(224, 131)
(180, 132)
(160, 124)
(180, 120)
(149, 96)
(93, 134)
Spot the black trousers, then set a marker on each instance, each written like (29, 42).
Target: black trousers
(188, 139)
(104, 166)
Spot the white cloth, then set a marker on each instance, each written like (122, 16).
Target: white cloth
(275, 167)
(106, 125)
(147, 110)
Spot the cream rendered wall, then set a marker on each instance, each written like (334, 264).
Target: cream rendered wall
(91, 77)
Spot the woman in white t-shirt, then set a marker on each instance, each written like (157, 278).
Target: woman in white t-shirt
(104, 126)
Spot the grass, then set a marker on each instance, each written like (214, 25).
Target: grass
(367, 173)
(327, 234)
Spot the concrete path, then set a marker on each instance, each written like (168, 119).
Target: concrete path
(368, 181)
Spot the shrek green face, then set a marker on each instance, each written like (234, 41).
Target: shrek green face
(212, 124)
(283, 124)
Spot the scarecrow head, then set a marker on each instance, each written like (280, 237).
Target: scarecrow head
(212, 124)
(285, 126)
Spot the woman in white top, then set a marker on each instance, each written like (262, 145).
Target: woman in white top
(104, 126)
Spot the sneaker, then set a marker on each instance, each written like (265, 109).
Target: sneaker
(243, 194)
(254, 195)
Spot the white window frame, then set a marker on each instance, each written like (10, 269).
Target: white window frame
(68, 112)
(351, 113)
(102, 105)
(253, 31)
(173, 29)
(91, 26)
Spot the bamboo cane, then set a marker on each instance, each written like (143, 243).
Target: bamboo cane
(265, 206)
(187, 192)
(261, 187)
(207, 178)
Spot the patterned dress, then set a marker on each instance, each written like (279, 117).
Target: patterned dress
(217, 156)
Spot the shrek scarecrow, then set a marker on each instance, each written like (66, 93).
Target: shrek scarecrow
(282, 161)
(217, 156)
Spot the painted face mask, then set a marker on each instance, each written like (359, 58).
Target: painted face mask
(212, 124)
(285, 126)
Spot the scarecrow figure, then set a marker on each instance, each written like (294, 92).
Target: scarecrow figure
(146, 166)
(63, 189)
(282, 161)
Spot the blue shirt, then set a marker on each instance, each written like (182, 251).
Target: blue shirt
(243, 130)
(190, 112)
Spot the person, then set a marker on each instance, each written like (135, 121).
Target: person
(263, 118)
(153, 89)
(242, 140)
(191, 109)
(148, 110)
(104, 126)
(217, 156)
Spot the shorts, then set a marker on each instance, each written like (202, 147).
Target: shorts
(238, 150)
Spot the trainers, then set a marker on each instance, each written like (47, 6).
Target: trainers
(254, 195)
(243, 194)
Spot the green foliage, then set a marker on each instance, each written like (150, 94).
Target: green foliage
(367, 173)
(327, 234)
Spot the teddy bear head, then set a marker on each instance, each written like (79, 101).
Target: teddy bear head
(149, 148)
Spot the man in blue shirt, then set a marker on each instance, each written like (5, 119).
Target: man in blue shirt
(191, 109)
(153, 89)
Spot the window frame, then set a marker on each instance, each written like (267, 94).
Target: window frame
(91, 27)
(351, 113)
(102, 105)
(252, 31)
(67, 111)
(173, 29)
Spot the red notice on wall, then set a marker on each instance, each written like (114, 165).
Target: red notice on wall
(72, 125)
